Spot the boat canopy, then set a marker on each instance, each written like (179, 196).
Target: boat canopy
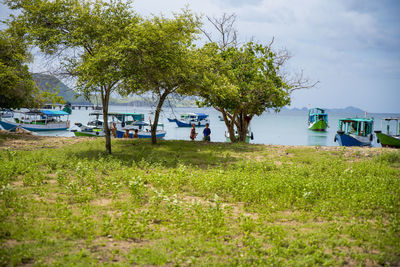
(317, 114)
(315, 111)
(123, 116)
(201, 116)
(357, 126)
(53, 113)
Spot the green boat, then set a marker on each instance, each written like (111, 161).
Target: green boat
(317, 119)
(389, 139)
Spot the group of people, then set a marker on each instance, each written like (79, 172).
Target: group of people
(206, 133)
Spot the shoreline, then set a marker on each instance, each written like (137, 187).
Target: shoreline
(19, 140)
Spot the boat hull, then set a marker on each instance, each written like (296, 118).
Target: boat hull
(388, 140)
(185, 124)
(320, 125)
(349, 140)
(142, 135)
(7, 125)
(89, 134)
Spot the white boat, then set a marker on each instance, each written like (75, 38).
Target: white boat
(36, 120)
(94, 128)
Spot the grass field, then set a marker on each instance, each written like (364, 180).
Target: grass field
(64, 202)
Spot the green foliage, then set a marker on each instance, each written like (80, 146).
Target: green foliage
(17, 89)
(170, 204)
(242, 83)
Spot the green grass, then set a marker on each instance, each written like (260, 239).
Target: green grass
(194, 203)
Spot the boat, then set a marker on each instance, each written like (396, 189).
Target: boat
(187, 119)
(122, 119)
(143, 128)
(355, 132)
(317, 119)
(6, 113)
(94, 128)
(389, 139)
(37, 120)
(221, 118)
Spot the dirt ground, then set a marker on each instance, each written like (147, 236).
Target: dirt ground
(22, 141)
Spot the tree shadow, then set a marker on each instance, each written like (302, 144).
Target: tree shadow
(168, 153)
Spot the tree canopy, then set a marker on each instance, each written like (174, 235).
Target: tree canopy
(17, 88)
(167, 60)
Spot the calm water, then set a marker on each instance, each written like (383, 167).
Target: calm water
(286, 128)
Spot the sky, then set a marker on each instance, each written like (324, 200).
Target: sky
(351, 47)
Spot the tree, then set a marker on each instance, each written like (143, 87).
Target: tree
(93, 36)
(167, 59)
(244, 81)
(17, 88)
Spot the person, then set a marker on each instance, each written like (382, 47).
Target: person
(207, 133)
(114, 129)
(135, 135)
(126, 134)
(193, 133)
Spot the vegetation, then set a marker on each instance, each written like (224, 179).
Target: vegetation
(17, 89)
(63, 201)
(167, 63)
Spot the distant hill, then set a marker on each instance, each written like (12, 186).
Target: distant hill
(347, 110)
(47, 82)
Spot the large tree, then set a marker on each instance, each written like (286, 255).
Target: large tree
(167, 59)
(243, 81)
(17, 88)
(89, 38)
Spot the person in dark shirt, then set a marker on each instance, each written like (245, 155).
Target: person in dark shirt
(207, 133)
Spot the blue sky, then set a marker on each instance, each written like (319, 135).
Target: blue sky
(352, 47)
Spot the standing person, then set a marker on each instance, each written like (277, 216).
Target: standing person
(207, 133)
(114, 129)
(193, 133)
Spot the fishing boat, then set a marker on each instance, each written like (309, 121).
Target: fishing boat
(317, 119)
(187, 119)
(355, 132)
(143, 130)
(389, 139)
(94, 128)
(122, 119)
(37, 120)
(6, 113)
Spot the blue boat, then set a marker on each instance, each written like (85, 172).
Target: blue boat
(36, 120)
(187, 119)
(355, 132)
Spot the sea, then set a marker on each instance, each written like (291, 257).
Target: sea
(288, 127)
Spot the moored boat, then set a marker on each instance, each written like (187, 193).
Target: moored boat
(6, 113)
(94, 128)
(36, 120)
(188, 119)
(317, 119)
(389, 139)
(143, 130)
(355, 132)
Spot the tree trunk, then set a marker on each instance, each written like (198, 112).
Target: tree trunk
(230, 126)
(105, 96)
(156, 116)
(242, 129)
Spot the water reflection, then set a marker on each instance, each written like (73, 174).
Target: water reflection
(317, 138)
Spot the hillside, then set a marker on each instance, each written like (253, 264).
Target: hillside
(48, 82)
